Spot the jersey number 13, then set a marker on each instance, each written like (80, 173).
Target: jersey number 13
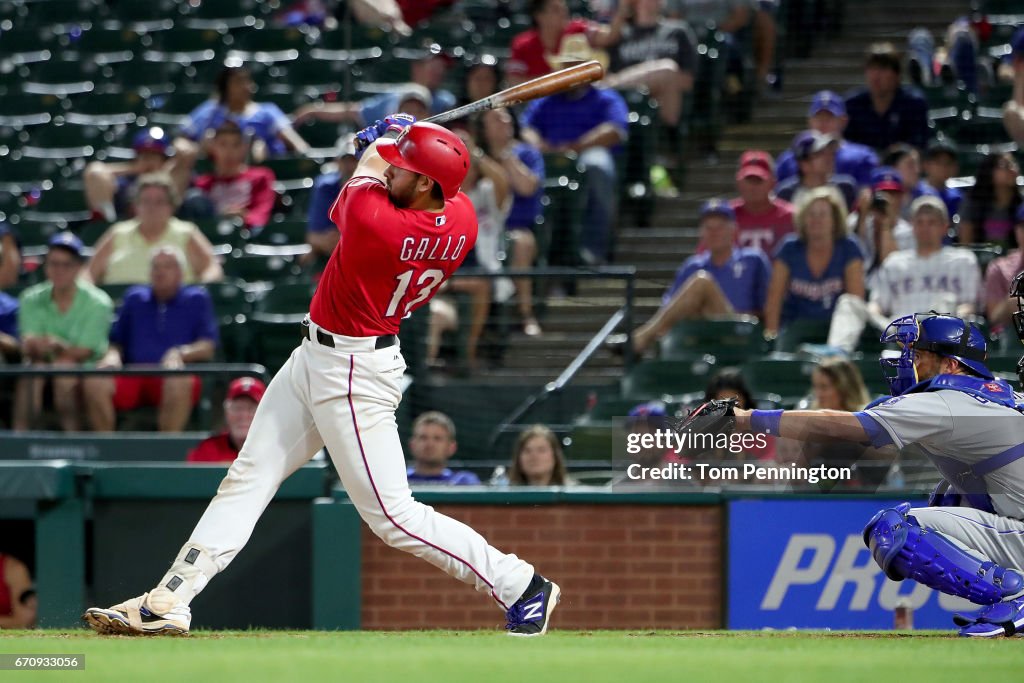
(426, 283)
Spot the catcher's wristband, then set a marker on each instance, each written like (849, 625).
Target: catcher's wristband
(766, 421)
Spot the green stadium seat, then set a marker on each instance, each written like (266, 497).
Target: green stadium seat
(186, 46)
(295, 202)
(609, 407)
(590, 442)
(146, 16)
(61, 207)
(558, 238)
(116, 292)
(60, 13)
(63, 78)
(799, 332)
(281, 233)
(221, 230)
(983, 127)
(173, 109)
(66, 141)
(661, 378)
(149, 79)
(222, 14)
(105, 46)
(731, 342)
(106, 109)
(363, 42)
(293, 173)
(33, 233)
(871, 372)
(985, 253)
(23, 174)
(230, 299)
(91, 232)
(308, 78)
(29, 110)
(286, 297)
(274, 338)
(261, 264)
(27, 45)
(272, 45)
(319, 134)
(785, 376)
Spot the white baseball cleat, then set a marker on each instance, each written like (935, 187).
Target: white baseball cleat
(136, 618)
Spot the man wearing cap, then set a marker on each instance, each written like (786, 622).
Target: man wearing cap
(815, 157)
(827, 115)
(762, 220)
(63, 321)
(940, 164)
(907, 162)
(999, 275)
(109, 186)
(718, 283)
(877, 222)
(1013, 110)
(162, 324)
(321, 233)
(928, 277)
(885, 112)
(244, 394)
(592, 123)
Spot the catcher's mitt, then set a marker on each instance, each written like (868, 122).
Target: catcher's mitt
(711, 417)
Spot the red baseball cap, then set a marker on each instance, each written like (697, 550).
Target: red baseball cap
(249, 387)
(756, 164)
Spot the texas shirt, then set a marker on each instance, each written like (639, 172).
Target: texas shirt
(252, 189)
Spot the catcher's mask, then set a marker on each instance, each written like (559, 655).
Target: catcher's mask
(944, 335)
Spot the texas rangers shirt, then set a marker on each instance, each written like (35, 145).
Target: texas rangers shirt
(743, 278)
(907, 282)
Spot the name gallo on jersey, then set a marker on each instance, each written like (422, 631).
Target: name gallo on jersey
(443, 248)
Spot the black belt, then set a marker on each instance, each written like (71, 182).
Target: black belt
(327, 340)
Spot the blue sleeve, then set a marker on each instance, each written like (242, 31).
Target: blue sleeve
(617, 110)
(533, 160)
(532, 114)
(465, 478)
(278, 119)
(9, 319)
(785, 167)
(688, 268)
(325, 191)
(377, 107)
(206, 320)
(441, 101)
(200, 119)
(877, 436)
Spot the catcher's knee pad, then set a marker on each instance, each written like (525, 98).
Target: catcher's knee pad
(905, 550)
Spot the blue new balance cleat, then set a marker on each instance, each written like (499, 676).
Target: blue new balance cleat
(531, 613)
(995, 621)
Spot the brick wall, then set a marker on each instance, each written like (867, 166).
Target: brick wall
(619, 566)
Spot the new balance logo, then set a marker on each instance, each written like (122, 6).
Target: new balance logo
(534, 610)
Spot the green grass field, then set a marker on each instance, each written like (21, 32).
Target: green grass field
(492, 657)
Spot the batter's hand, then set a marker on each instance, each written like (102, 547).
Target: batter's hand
(397, 122)
(366, 136)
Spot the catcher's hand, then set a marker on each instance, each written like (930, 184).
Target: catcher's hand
(711, 417)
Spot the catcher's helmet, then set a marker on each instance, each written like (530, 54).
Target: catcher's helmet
(430, 150)
(944, 335)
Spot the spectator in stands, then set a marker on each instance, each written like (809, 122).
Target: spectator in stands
(481, 78)
(263, 122)
(63, 322)
(122, 252)
(940, 164)
(421, 97)
(762, 220)
(18, 602)
(233, 189)
(885, 112)
(163, 323)
(836, 384)
(432, 445)
(1013, 110)
(907, 162)
(10, 347)
(321, 232)
(658, 55)
(534, 51)
(812, 268)
(538, 459)
(10, 256)
(827, 115)
(998, 277)
(878, 223)
(815, 155)
(244, 394)
(524, 166)
(109, 186)
(987, 212)
(488, 188)
(592, 123)
(721, 282)
(929, 277)
(383, 14)
(725, 384)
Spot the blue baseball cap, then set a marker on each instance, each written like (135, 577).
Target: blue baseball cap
(648, 409)
(826, 100)
(69, 241)
(151, 140)
(810, 142)
(886, 178)
(717, 207)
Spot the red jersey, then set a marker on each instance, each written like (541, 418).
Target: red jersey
(389, 261)
(529, 58)
(762, 231)
(217, 448)
(253, 189)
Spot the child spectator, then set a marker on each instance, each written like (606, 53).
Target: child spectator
(940, 164)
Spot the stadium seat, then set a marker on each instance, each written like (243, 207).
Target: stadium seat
(62, 14)
(256, 264)
(785, 376)
(274, 338)
(91, 232)
(185, 46)
(116, 292)
(63, 78)
(871, 371)
(609, 407)
(295, 201)
(104, 46)
(67, 141)
(221, 230)
(799, 332)
(985, 253)
(590, 442)
(559, 238)
(321, 134)
(731, 342)
(23, 174)
(286, 297)
(659, 378)
(363, 42)
(281, 233)
(106, 109)
(222, 14)
(33, 233)
(173, 109)
(272, 45)
(61, 207)
(148, 78)
(293, 173)
(26, 46)
(29, 110)
(309, 78)
(146, 16)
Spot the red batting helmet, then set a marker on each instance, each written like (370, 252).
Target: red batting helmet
(430, 150)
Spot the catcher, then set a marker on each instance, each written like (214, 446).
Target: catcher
(945, 405)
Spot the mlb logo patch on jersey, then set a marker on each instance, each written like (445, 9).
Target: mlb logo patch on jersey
(439, 221)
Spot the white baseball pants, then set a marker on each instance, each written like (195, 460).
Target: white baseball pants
(345, 398)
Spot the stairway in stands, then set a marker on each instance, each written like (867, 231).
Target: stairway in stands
(658, 250)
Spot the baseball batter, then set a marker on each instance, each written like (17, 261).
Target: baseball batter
(946, 405)
(405, 228)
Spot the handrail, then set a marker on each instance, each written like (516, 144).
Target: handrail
(146, 370)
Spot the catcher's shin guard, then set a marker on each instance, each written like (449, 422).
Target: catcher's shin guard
(905, 550)
(191, 571)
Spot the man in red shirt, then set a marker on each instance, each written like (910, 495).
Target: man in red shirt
(244, 394)
(234, 188)
(762, 220)
(405, 228)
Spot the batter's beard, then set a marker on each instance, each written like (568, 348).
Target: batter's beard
(402, 201)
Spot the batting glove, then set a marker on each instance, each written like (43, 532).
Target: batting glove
(366, 136)
(397, 122)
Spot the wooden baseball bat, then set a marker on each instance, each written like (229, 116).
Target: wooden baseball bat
(542, 86)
